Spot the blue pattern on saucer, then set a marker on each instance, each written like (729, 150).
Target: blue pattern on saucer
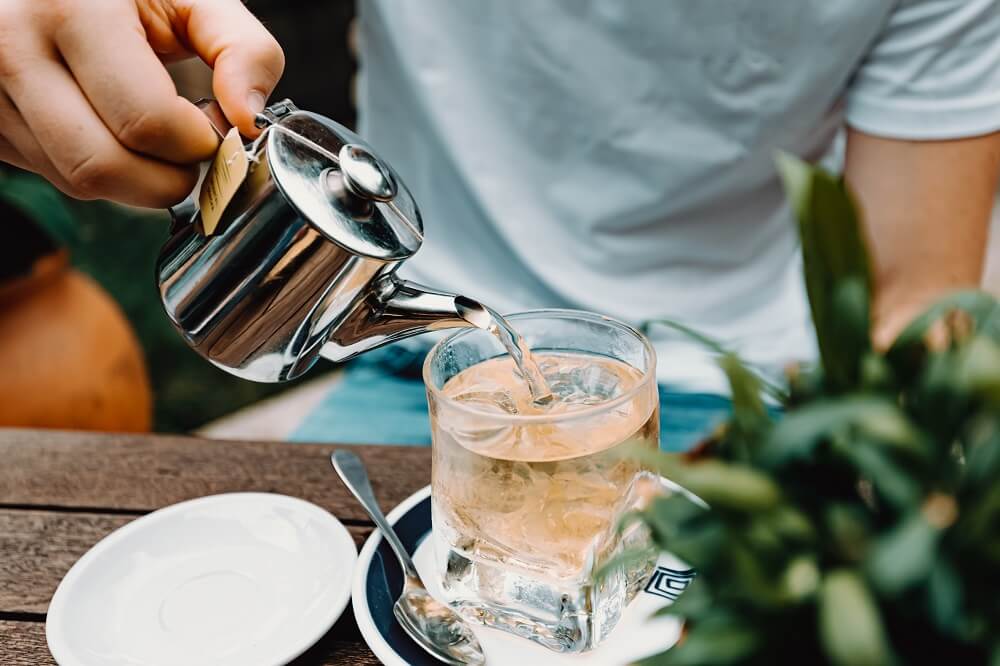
(384, 582)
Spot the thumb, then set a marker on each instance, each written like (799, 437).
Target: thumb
(247, 60)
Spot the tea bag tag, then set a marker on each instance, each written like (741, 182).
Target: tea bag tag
(227, 172)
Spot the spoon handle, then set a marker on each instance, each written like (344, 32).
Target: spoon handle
(352, 472)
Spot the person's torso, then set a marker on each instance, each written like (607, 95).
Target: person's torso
(612, 155)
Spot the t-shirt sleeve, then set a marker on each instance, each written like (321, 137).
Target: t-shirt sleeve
(933, 73)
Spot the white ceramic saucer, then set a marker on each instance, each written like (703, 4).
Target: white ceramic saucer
(240, 579)
(378, 581)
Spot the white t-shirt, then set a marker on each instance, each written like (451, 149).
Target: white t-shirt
(617, 155)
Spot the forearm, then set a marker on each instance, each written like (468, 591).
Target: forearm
(926, 206)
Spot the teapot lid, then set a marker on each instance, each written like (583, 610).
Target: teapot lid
(336, 181)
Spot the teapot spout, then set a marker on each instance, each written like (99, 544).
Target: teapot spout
(400, 309)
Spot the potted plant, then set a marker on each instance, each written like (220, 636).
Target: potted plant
(862, 526)
(69, 358)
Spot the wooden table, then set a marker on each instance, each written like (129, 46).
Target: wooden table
(61, 492)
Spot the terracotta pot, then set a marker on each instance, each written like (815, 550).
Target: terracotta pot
(68, 357)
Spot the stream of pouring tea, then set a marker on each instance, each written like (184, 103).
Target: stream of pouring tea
(493, 322)
(518, 349)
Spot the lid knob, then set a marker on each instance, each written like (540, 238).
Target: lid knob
(365, 175)
(334, 181)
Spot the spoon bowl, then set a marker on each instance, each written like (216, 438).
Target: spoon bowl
(437, 628)
(433, 625)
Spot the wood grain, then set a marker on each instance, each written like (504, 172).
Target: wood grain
(37, 548)
(144, 473)
(62, 492)
(23, 644)
(341, 645)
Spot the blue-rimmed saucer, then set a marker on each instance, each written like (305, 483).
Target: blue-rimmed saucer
(378, 580)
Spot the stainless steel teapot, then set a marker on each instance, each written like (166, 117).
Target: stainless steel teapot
(302, 263)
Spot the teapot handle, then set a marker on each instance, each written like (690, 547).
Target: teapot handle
(182, 213)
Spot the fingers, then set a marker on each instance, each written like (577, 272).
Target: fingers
(128, 86)
(19, 147)
(247, 60)
(84, 152)
(92, 108)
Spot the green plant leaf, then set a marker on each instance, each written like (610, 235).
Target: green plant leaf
(792, 523)
(676, 525)
(626, 559)
(978, 368)
(944, 590)
(983, 453)
(980, 305)
(715, 642)
(798, 432)
(850, 623)
(801, 578)
(848, 528)
(707, 341)
(876, 373)
(704, 543)
(695, 602)
(766, 385)
(904, 556)
(750, 417)
(893, 483)
(723, 485)
(759, 584)
(746, 389)
(852, 325)
(979, 519)
(837, 267)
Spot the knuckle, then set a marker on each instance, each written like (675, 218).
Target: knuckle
(12, 57)
(92, 176)
(11, 15)
(10, 64)
(271, 56)
(279, 57)
(141, 129)
(57, 13)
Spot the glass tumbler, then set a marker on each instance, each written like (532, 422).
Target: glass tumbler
(527, 507)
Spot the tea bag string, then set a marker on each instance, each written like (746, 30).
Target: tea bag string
(328, 154)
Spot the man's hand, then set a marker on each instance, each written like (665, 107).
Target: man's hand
(927, 208)
(86, 102)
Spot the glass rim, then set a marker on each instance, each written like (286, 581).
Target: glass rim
(553, 313)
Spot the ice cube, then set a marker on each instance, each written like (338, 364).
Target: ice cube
(588, 384)
(484, 438)
(481, 433)
(504, 487)
(492, 399)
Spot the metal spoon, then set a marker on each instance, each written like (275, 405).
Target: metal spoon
(433, 625)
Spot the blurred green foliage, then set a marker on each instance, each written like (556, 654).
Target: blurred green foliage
(863, 526)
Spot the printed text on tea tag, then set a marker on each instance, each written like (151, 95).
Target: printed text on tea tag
(224, 177)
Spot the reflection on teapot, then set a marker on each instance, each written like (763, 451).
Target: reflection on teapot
(302, 263)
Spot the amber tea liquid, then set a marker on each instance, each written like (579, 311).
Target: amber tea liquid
(526, 510)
